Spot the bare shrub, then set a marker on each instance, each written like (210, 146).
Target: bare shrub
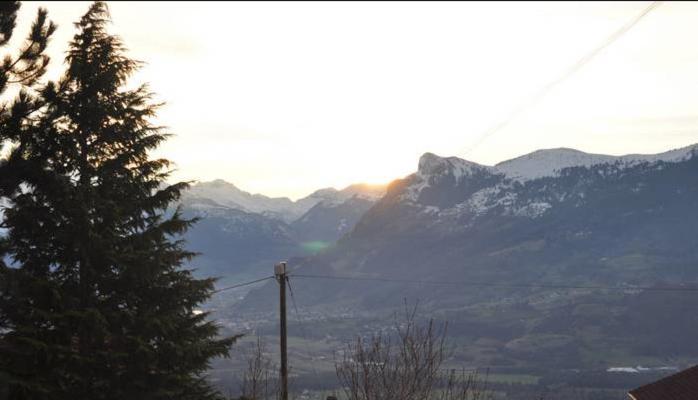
(406, 364)
(260, 381)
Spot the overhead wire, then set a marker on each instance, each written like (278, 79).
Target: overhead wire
(242, 284)
(499, 285)
(459, 283)
(563, 77)
(301, 325)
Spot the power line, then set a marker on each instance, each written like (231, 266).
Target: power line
(301, 325)
(499, 285)
(567, 74)
(242, 284)
(462, 283)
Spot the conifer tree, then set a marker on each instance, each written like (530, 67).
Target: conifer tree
(99, 303)
(22, 70)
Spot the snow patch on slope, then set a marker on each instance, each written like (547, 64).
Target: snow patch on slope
(533, 210)
(486, 199)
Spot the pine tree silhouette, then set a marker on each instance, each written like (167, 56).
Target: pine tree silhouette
(97, 303)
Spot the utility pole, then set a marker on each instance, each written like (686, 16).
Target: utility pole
(280, 273)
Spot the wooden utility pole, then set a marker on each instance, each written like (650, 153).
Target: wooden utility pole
(280, 273)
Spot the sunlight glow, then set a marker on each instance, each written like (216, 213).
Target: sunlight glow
(286, 98)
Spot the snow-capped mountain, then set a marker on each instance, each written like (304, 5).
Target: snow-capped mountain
(226, 194)
(447, 186)
(550, 162)
(221, 193)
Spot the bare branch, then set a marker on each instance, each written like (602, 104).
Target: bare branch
(405, 365)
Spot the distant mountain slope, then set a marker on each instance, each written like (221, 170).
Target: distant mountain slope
(328, 221)
(626, 222)
(239, 233)
(234, 242)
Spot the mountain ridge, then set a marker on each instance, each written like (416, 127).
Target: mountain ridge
(537, 164)
(226, 194)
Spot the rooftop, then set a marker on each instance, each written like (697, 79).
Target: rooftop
(680, 386)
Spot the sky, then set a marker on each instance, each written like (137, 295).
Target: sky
(285, 98)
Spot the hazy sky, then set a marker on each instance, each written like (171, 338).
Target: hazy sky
(285, 98)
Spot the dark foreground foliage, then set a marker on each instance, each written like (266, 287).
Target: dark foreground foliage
(95, 302)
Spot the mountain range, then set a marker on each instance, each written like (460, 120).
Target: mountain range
(558, 258)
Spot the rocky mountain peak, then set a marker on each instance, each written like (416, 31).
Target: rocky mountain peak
(430, 164)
